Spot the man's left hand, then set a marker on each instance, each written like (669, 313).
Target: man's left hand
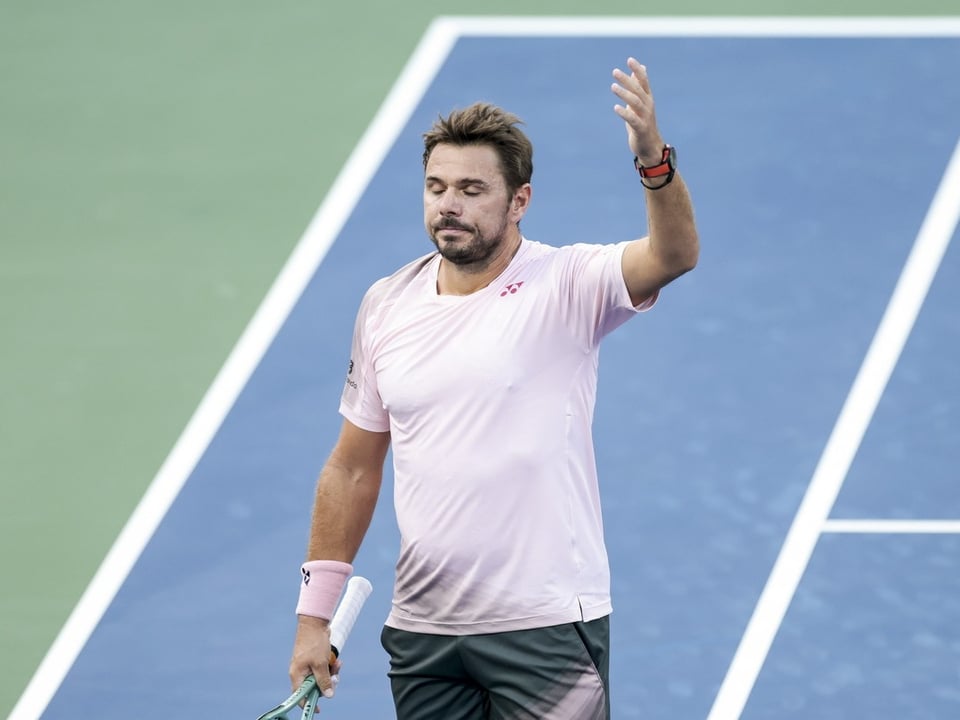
(638, 112)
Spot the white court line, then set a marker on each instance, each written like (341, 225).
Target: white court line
(746, 27)
(894, 329)
(326, 224)
(906, 527)
(283, 295)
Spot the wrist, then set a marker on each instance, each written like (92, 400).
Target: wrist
(660, 173)
(312, 622)
(650, 157)
(650, 153)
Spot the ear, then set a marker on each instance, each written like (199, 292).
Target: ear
(520, 202)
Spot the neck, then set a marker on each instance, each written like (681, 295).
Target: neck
(455, 279)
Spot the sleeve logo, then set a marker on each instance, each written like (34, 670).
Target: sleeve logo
(350, 382)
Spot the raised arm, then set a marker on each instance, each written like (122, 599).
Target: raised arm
(343, 507)
(672, 246)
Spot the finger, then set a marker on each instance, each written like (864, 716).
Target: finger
(335, 672)
(628, 82)
(635, 77)
(636, 113)
(635, 109)
(626, 87)
(640, 73)
(626, 114)
(298, 673)
(322, 676)
(633, 96)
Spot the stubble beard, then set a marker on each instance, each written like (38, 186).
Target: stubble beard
(473, 253)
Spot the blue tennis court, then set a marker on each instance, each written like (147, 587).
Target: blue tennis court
(815, 161)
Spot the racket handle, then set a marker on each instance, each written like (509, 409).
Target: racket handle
(356, 594)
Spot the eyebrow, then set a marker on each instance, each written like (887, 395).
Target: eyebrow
(462, 182)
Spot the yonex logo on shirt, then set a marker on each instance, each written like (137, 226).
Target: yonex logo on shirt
(350, 382)
(511, 289)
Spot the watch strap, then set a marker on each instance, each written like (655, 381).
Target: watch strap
(666, 166)
(665, 169)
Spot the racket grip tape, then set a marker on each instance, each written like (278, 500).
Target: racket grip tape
(356, 594)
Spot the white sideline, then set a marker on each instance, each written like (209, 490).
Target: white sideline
(811, 518)
(233, 376)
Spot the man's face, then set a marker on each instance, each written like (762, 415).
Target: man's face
(466, 207)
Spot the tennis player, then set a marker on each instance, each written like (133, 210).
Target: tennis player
(478, 362)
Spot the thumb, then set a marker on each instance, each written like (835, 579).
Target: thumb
(324, 683)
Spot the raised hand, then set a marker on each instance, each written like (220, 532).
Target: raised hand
(638, 112)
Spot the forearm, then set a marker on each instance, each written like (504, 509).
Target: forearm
(342, 510)
(671, 247)
(673, 231)
(343, 506)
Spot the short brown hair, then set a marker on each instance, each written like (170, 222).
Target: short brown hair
(486, 124)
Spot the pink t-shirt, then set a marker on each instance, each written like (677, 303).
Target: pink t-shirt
(489, 401)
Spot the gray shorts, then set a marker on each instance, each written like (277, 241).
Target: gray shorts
(552, 673)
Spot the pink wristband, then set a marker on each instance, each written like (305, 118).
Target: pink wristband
(322, 582)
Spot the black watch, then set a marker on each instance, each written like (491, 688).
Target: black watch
(666, 168)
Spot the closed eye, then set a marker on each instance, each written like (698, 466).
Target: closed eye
(471, 187)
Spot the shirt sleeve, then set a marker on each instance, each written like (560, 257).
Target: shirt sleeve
(360, 402)
(594, 296)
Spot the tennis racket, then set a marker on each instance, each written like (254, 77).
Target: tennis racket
(356, 594)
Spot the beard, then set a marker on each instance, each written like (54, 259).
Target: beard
(471, 248)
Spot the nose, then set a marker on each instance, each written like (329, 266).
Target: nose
(448, 204)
